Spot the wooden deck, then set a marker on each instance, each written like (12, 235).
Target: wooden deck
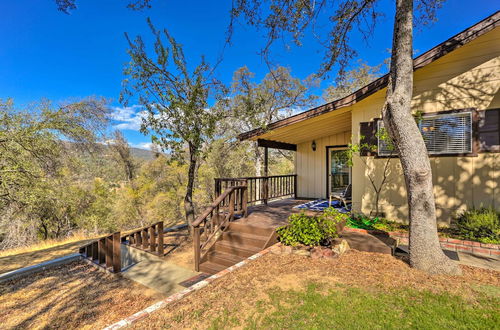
(276, 214)
(272, 215)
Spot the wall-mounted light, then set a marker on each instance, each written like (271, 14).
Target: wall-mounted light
(313, 145)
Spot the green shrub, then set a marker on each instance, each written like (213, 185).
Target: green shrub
(311, 230)
(479, 225)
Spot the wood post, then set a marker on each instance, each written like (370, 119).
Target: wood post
(138, 239)
(196, 243)
(244, 202)
(152, 238)
(109, 251)
(266, 175)
(294, 186)
(159, 227)
(101, 244)
(145, 240)
(95, 251)
(117, 262)
(231, 205)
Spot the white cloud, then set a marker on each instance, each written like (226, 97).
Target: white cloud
(128, 118)
(142, 145)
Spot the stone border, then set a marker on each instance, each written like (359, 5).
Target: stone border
(179, 295)
(20, 272)
(452, 244)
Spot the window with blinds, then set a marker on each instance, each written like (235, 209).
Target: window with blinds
(443, 134)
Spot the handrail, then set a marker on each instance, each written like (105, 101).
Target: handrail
(149, 238)
(262, 188)
(257, 177)
(212, 206)
(213, 221)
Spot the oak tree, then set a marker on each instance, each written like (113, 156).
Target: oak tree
(176, 100)
(295, 18)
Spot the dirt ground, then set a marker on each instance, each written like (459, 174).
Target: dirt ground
(240, 291)
(76, 295)
(179, 250)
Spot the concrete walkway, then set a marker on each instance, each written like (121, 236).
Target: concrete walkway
(154, 272)
(466, 259)
(474, 260)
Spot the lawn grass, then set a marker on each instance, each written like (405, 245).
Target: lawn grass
(30, 255)
(355, 308)
(356, 291)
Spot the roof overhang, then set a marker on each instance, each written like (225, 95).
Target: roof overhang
(336, 107)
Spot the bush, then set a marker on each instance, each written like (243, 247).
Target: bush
(311, 230)
(481, 225)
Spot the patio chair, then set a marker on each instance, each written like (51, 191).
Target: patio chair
(344, 196)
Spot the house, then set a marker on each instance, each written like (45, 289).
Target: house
(456, 100)
(456, 93)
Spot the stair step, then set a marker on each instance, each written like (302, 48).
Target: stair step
(222, 258)
(236, 248)
(249, 229)
(211, 267)
(244, 238)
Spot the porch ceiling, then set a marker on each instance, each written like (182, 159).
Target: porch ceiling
(324, 125)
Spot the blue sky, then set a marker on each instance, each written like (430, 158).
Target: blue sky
(47, 54)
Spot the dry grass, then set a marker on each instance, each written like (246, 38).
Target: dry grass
(26, 256)
(238, 293)
(70, 296)
(179, 249)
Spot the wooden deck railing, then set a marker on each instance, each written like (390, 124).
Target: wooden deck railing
(105, 251)
(206, 228)
(148, 238)
(261, 188)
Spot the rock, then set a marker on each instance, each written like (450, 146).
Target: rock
(286, 250)
(341, 248)
(327, 253)
(276, 249)
(316, 254)
(304, 253)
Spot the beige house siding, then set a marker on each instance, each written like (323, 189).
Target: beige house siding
(467, 77)
(311, 165)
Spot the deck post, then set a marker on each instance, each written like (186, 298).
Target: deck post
(159, 227)
(266, 174)
(196, 243)
(109, 251)
(295, 186)
(152, 238)
(244, 202)
(117, 262)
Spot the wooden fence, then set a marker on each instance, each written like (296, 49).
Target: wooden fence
(105, 251)
(261, 188)
(150, 238)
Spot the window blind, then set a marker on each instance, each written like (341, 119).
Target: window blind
(449, 133)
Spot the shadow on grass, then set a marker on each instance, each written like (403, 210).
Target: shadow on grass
(71, 296)
(24, 259)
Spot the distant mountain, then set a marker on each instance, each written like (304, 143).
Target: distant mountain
(142, 153)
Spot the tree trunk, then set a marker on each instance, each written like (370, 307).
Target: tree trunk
(425, 250)
(188, 199)
(258, 160)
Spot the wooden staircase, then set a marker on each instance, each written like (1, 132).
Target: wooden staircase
(237, 242)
